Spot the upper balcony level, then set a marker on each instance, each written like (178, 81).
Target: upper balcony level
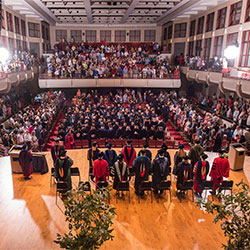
(15, 78)
(234, 81)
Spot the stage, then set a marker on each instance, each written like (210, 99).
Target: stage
(30, 218)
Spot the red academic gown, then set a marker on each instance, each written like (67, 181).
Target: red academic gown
(201, 169)
(220, 169)
(101, 170)
(69, 141)
(25, 160)
(129, 156)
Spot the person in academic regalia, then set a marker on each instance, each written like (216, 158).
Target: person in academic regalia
(141, 168)
(69, 140)
(100, 170)
(200, 172)
(110, 155)
(195, 152)
(55, 150)
(184, 172)
(160, 170)
(178, 157)
(159, 134)
(25, 160)
(148, 152)
(62, 168)
(164, 147)
(92, 155)
(119, 171)
(220, 170)
(129, 153)
(217, 142)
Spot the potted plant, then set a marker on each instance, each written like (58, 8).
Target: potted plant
(234, 214)
(89, 217)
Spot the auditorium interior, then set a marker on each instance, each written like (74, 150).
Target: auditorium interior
(147, 98)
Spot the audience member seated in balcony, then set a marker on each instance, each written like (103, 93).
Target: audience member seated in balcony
(105, 61)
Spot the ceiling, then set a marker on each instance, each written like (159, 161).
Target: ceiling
(103, 12)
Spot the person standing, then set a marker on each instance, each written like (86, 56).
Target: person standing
(119, 171)
(55, 150)
(62, 168)
(160, 170)
(178, 157)
(200, 172)
(141, 168)
(92, 155)
(164, 147)
(148, 152)
(220, 170)
(184, 172)
(129, 153)
(25, 161)
(195, 152)
(69, 140)
(100, 170)
(110, 155)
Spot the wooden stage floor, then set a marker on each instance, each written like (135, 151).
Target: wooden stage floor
(30, 219)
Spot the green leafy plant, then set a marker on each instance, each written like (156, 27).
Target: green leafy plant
(90, 219)
(234, 214)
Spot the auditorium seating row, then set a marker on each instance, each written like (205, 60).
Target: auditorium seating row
(119, 143)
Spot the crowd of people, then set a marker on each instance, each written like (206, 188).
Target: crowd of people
(31, 125)
(100, 60)
(126, 114)
(18, 61)
(234, 109)
(191, 166)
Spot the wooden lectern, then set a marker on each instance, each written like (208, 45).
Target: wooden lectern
(236, 156)
(14, 160)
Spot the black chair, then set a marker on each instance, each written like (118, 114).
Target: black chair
(61, 188)
(91, 176)
(226, 185)
(163, 186)
(187, 185)
(101, 184)
(123, 186)
(75, 172)
(207, 185)
(52, 176)
(145, 186)
(86, 186)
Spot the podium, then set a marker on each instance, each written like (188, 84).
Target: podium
(236, 156)
(38, 160)
(14, 159)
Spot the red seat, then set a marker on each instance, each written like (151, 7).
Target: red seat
(151, 143)
(85, 143)
(135, 143)
(158, 143)
(78, 144)
(101, 143)
(141, 142)
(119, 143)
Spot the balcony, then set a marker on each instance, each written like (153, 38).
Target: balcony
(230, 83)
(112, 82)
(15, 78)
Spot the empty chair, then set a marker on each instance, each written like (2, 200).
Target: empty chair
(141, 142)
(145, 186)
(61, 188)
(119, 143)
(52, 176)
(207, 185)
(187, 185)
(123, 186)
(151, 143)
(75, 172)
(86, 186)
(135, 143)
(226, 185)
(163, 186)
(101, 184)
(85, 144)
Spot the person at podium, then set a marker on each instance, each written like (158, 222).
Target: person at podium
(25, 160)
